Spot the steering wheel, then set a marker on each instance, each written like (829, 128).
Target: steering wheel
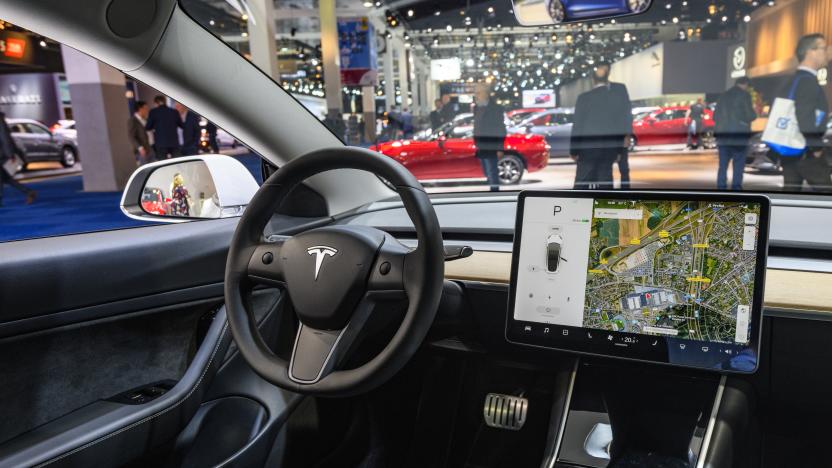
(335, 277)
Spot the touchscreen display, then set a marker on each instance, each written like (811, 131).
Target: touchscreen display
(660, 277)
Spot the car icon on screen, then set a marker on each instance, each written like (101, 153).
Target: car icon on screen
(554, 246)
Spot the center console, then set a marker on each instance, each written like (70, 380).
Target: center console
(673, 279)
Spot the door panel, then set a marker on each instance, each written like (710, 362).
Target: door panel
(111, 341)
(459, 159)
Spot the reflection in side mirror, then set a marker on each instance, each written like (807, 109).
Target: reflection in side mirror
(546, 12)
(196, 187)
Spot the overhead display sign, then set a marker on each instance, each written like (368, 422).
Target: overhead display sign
(445, 69)
(357, 46)
(539, 98)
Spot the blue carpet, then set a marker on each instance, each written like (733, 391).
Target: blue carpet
(62, 207)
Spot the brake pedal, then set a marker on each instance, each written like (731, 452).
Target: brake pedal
(505, 411)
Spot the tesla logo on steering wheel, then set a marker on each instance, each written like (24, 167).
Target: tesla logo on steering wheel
(320, 252)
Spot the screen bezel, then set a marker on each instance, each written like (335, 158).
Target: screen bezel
(662, 352)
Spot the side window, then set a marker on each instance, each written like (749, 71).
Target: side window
(666, 115)
(36, 129)
(68, 184)
(680, 113)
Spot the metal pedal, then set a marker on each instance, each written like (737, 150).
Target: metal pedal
(505, 411)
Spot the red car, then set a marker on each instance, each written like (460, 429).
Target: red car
(668, 126)
(449, 153)
(153, 201)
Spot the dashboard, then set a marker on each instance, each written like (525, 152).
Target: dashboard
(672, 278)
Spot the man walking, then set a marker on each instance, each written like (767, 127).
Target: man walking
(190, 130)
(138, 136)
(164, 122)
(489, 134)
(694, 118)
(812, 110)
(603, 123)
(8, 149)
(733, 116)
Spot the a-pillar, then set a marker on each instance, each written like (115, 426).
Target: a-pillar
(261, 37)
(99, 107)
(389, 77)
(404, 74)
(331, 57)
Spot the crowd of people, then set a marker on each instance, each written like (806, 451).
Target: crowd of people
(166, 132)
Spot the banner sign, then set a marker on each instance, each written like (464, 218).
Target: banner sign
(15, 48)
(357, 45)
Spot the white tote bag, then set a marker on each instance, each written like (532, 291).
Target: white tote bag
(782, 133)
(13, 165)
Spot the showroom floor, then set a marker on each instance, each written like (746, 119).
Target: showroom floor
(62, 207)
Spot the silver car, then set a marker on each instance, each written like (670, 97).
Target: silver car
(38, 143)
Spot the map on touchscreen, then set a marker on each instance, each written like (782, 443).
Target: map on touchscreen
(674, 268)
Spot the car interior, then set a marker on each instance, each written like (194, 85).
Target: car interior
(337, 315)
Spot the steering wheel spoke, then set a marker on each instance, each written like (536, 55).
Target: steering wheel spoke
(266, 265)
(388, 272)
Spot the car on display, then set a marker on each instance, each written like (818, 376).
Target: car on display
(65, 127)
(515, 116)
(555, 125)
(669, 126)
(154, 202)
(763, 160)
(38, 143)
(449, 153)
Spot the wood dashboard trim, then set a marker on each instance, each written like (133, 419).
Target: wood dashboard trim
(785, 289)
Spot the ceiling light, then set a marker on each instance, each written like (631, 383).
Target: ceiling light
(368, 4)
(410, 13)
(449, 28)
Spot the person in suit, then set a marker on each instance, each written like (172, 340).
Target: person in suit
(138, 136)
(449, 109)
(489, 133)
(694, 117)
(436, 115)
(164, 122)
(812, 111)
(8, 149)
(190, 130)
(733, 116)
(603, 123)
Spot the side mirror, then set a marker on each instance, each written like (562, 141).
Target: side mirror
(194, 187)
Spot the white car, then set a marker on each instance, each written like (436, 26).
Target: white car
(66, 128)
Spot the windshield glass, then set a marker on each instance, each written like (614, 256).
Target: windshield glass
(728, 95)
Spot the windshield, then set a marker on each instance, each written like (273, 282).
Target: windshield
(728, 95)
